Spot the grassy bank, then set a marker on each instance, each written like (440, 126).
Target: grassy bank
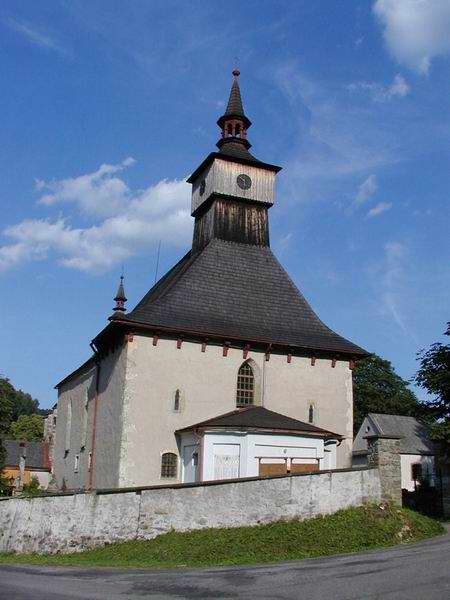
(349, 530)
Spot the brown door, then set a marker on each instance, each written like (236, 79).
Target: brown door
(272, 469)
(304, 468)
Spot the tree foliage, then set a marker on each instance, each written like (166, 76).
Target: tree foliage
(13, 404)
(32, 488)
(434, 376)
(377, 388)
(27, 427)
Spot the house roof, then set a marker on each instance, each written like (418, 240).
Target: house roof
(237, 291)
(258, 417)
(413, 433)
(36, 454)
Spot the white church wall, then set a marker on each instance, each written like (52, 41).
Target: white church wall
(73, 424)
(208, 384)
(73, 455)
(111, 419)
(291, 388)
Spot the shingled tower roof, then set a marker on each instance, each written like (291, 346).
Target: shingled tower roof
(234, 106)
(231, 290)
(237, 291)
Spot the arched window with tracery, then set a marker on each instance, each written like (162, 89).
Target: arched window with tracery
(245, 391)
(169, 464)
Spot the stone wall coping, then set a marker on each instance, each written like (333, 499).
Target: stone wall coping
(176, 486)
(382, 436)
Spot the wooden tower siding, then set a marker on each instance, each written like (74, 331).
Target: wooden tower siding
(232, 221)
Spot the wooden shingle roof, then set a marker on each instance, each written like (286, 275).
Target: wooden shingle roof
(238, 291)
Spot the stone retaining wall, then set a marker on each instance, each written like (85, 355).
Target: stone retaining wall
(75, 522)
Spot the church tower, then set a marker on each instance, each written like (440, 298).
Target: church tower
(232, 190)
(230, 287)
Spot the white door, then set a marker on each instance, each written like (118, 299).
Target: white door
(226, 461)
(190, 463)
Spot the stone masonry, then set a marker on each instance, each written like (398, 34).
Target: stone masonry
(384, 454)
(75, 522)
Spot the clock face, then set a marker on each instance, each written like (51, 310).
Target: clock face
(244, 182)
(202, 187)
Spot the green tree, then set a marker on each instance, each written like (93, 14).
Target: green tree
(377, 388)
(32, 488)
(5, 419)
(434, 376)
(27, 427)
(21, 403)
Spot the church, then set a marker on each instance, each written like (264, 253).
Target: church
(222, 370)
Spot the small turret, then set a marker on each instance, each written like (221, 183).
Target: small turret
(120, 298)
(234, 123)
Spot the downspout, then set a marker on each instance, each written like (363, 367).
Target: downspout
(94, 421)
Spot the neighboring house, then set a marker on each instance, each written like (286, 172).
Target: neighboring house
(25, 460)
(222, 369)
(416, 449)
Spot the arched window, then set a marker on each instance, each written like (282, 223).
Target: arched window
(245, 392)
(176, 401)
(229, 129)
(169, 463)
(237, 130)
(311, 413)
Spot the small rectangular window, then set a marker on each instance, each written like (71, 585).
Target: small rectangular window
(169, 464)
(89, 461)
(416, 471)
(77, 463)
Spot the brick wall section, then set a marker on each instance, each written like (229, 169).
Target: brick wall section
(75, 522)
(384, 454)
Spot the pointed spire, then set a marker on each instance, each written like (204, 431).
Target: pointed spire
(120, 298)
(234, 106)
(234, 123)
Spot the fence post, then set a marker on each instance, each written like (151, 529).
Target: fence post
(384, 454)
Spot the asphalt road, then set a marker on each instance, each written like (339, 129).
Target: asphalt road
(416, 572)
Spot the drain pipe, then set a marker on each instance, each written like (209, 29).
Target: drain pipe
(94, 420)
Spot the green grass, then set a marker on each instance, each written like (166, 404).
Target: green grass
(349, 530)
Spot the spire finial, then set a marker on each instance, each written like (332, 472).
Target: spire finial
(120, 298)
(236, 71)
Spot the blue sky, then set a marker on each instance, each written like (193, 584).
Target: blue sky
(108, 106)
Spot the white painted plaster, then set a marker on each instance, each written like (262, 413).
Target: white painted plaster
(407, 460)
(208, 380)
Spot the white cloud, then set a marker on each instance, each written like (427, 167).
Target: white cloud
(335, 141)
(34, 36)
(392, 285)
(415, 31)
(136, 221)
(399, 88)
(94, 193)
(381, 207)
(366, 190)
